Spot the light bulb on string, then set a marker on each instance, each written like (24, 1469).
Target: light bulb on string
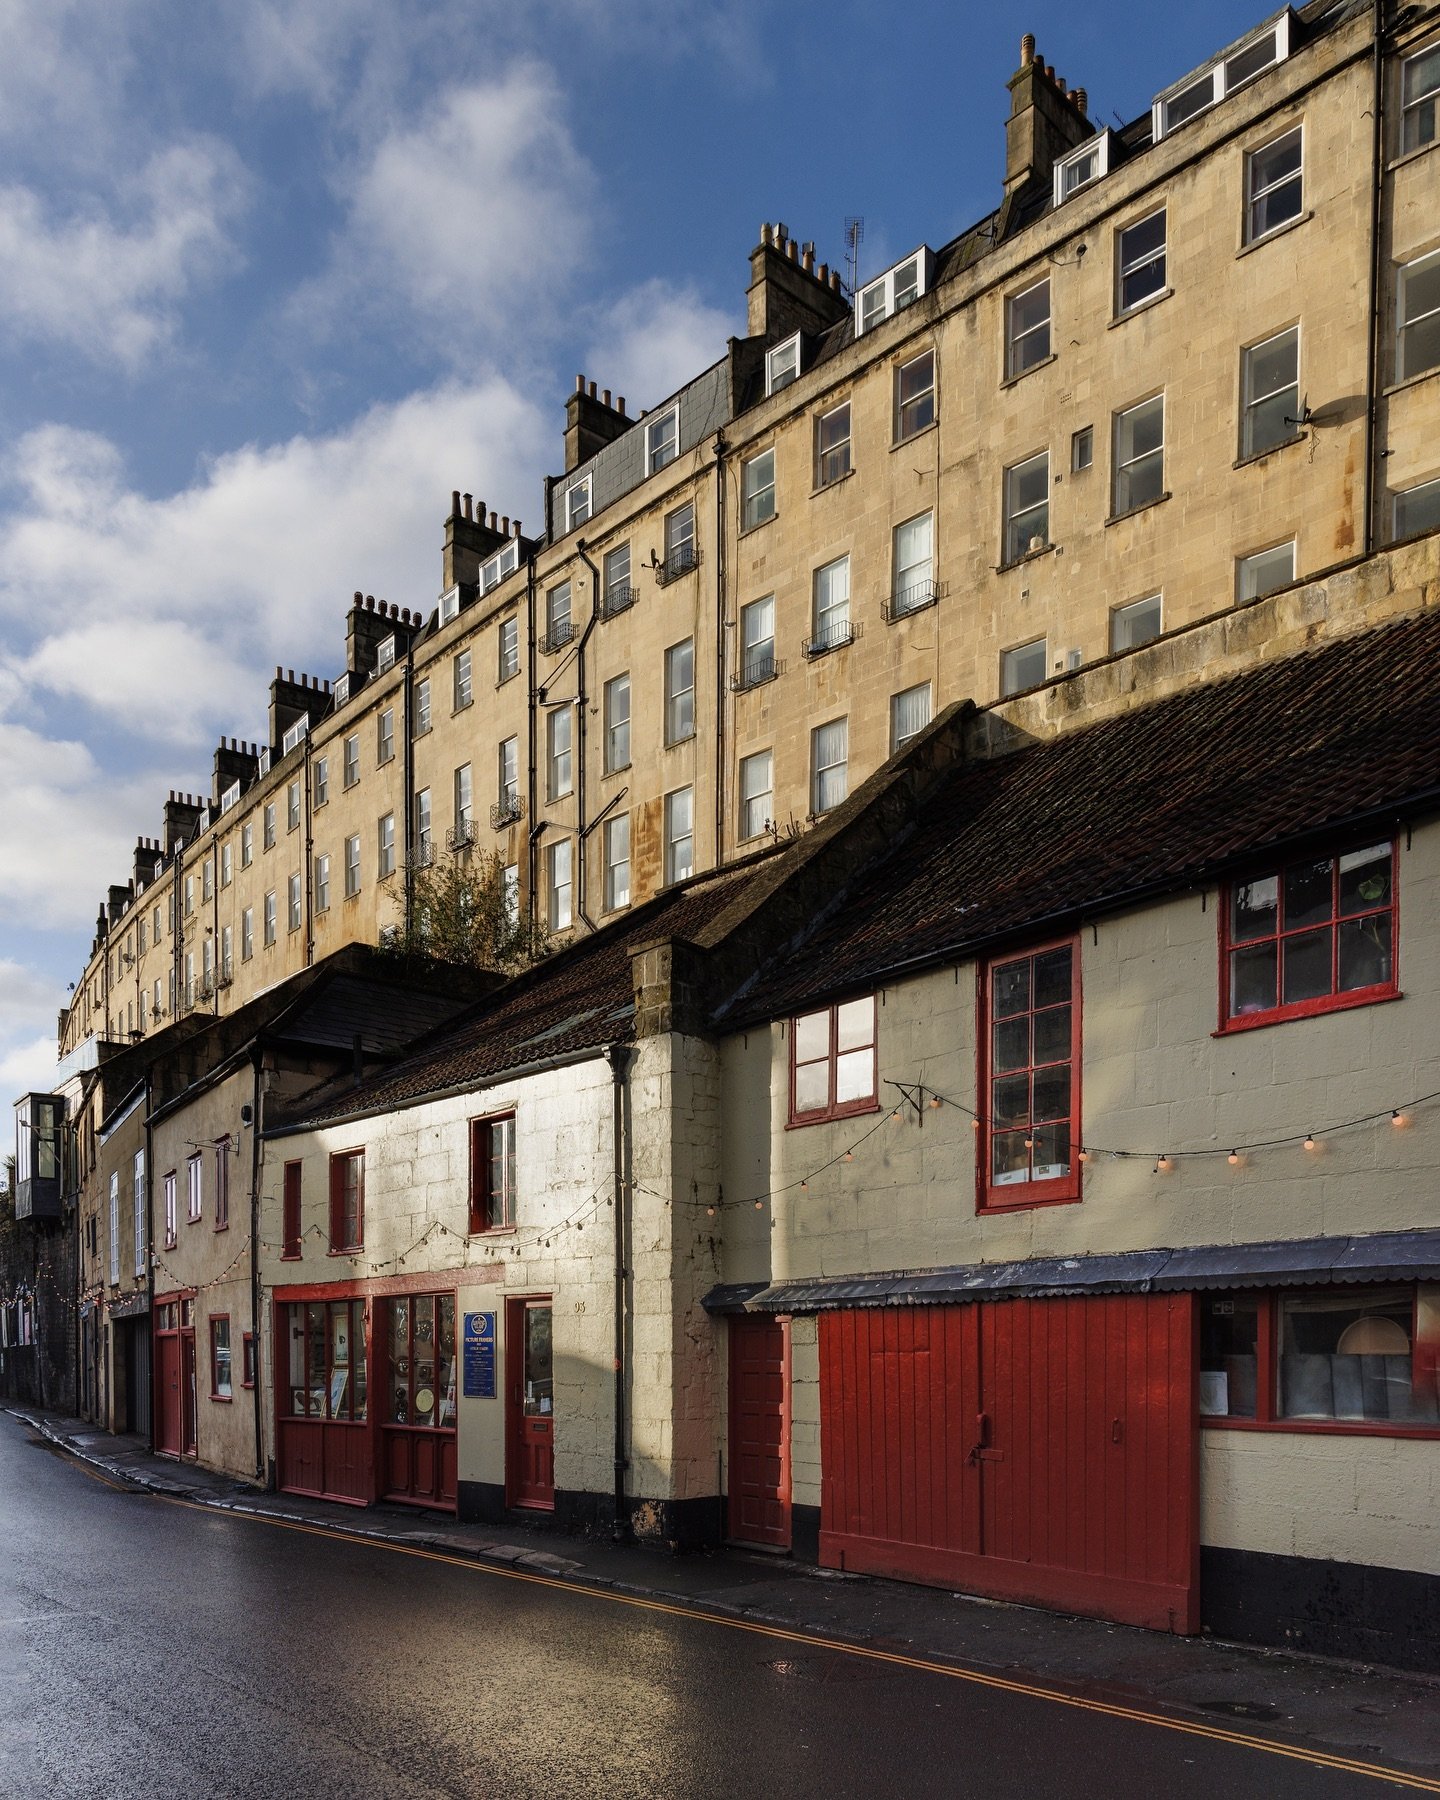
(849, 1156)
(1310, 1140)
(1084, 1155)
(1163, 1165)
(710, 1212)
(935, 1103)
(1234, 1159)
(760, 1204)
(1398, 1119)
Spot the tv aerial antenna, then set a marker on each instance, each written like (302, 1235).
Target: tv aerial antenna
(854, 237)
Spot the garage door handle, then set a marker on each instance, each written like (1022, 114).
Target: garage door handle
(1117, 1430)
(982, 1437)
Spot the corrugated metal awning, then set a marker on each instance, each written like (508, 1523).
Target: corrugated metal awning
(1375, 1256)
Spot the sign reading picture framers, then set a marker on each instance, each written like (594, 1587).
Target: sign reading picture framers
(480, 1356)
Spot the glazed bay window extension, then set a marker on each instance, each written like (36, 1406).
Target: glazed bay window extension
(1030, 1059)
(832, 1062)
(1311, 937)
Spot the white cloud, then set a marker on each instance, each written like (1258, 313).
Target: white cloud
(27, 999)
(106, 279)
(475, 218)
(201, 593)
(27, 1068)
(654, 339)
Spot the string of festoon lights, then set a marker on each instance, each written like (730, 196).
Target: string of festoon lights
(918, 1098)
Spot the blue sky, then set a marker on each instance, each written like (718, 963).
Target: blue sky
(276, 277)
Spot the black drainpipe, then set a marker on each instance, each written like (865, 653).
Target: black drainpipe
(1377, 170)
(720, 448)
(619, 1057)
(581, 831)
(255, 1295)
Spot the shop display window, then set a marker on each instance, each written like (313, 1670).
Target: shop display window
(327, 1362)
(420, 1346)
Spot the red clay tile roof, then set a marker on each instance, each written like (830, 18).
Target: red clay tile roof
(1167, 795)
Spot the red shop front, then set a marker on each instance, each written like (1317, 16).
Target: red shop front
(366, 1389)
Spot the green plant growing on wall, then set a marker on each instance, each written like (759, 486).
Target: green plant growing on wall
(456, 910)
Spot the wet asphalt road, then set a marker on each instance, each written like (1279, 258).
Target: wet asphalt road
(161, 1650)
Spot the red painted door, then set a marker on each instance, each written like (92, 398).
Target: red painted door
(167, 1396)
(187, 1393)
(530, 1405)
(760, 1431)
(1037, 1450)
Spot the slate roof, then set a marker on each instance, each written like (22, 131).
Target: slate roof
(581, 998)
(1162, 797)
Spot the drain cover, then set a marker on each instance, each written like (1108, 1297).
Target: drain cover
(1241, 1709)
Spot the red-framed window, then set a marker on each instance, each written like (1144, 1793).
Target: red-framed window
(832, 1062)
(290, 1222)
(1310, 936)
(222, 1185)
(170, 1211)
(1360, 1358)
(492, 1173)
(324, 1361)
(418, 1331)
(247, 1359)
(222, 1379)
(347, 1201)
(1029, 1078)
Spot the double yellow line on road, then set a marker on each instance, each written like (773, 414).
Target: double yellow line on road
(1321, 1759)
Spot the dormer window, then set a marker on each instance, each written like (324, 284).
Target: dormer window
(342, 690)
(385, 655)
(505, 562)
(230, 797)
(662, 439)
(577, 504)
(782, 364)
(1082, 166)
(895, 289)
(449, 605)
(293, 736)
(1240, 64)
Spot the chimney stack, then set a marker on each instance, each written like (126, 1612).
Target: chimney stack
(591, 422)
(788, 293)
(1046, 121)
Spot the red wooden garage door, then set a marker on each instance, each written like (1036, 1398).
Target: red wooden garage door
(1037, 1450)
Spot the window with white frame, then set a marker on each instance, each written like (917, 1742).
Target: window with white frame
(662, 439)
(830, 607)
(914, 395)
(385, 655)
(1082, 449)
(510, 891)
(559, 628)
(1263, 571)
(617, 723)
(189, 908)
(1417, 509)
(1270, 401)
(1420, 100)
(1139, 456)
(322, 890)
(757, 490)
(1027, 507)
(295, 911)
(422, 707)
(577, 503)
(247, 944)
(1027, 328)
(757, 793)
(424, 841)
(464, 803)
(321, 781)
(385, 846)
(832, 445)
(1208, 86)
(829, 764)
(114, 1228)
(560, 772)
(352, 866)
(617, 862)
(194, 1194)
(679, 835)
(247, 848)
(912, 565)
(505, 561)
(1135, 623)
(1023, 667)
(1140, 262)
(1083, 166)
(909, 714)
(1274, 182)
(618, 592)
(757, 641)
(272, 917)
(207, 959)
(782, 364)
(464, 688)
(891, 292)
(207, 868)
(509, 778)
(558, 880)
(137, 1209)
(1418, 295)
(449, 609)
(509, 648)
(351, 761)
(680, 692)
(385, 735)
(680, 555)
(170, 1210)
